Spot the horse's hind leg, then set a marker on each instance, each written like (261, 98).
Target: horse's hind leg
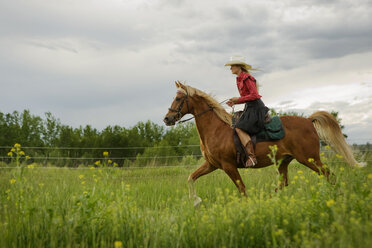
(316, 165)
(204, 169)
(283, 171)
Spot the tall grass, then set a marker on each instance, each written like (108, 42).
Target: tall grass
(150, 208)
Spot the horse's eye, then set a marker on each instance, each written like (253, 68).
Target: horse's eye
(177, 99)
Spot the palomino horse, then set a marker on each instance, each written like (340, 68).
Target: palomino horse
(213, 123)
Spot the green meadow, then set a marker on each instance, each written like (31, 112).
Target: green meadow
(149, 207)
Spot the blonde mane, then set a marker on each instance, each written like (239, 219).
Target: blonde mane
(217, 108)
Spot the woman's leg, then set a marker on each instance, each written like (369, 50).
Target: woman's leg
(248, 145)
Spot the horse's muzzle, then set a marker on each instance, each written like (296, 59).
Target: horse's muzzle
(169, 120)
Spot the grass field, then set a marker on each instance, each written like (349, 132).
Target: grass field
(149, 207)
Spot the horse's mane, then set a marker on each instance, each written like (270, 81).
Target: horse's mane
(217, 108)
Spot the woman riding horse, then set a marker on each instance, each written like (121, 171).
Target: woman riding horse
(252, 120)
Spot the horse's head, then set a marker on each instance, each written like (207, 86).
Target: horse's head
(180, 106)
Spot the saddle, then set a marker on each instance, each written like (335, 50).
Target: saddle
(273, 130)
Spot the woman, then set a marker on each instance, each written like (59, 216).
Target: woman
(252, 120)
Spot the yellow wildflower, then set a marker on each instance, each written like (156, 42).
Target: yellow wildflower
(115, 164)
(41, 184)
(327, 147)
(339, 156)
(10, 154)
(322, 154)
(105, 154)
(28, 157)
(275, 147)
(83, 182)
(30, 166)
(118, 244)
(97, 162)
(311, 160)
(279, 232)
(22, 153)
(330, 203)
(17, 145)
(12, 181)
(300, 172)
(85, 192)
(109, 161)
(342, 169)
(370, 176)
(81, 176)
(92, 167)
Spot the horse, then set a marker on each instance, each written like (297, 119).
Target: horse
(214, 126)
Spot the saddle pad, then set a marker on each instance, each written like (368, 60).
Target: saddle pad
(273, 130)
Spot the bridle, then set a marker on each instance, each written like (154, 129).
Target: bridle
(178, 110)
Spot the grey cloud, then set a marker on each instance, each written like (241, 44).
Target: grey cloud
(50, 23)
(263, 35)
(355, 117)
(53, 45)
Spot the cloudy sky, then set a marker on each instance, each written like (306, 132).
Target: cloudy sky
(114, 62)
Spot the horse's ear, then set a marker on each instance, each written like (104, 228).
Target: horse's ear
(181, 85)
(177, 84)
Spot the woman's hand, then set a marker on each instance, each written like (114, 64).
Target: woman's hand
(232, 101)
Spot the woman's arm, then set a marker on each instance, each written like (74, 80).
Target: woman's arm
(251, 94)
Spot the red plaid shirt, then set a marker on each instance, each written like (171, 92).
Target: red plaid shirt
(247, 88)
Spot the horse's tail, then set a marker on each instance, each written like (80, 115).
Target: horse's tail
(330, 132)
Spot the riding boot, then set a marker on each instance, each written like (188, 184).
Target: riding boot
(251, 160)
(248, 147)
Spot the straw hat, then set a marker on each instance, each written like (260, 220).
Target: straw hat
(239, 60)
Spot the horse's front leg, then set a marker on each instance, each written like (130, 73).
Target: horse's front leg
(204, 169)
(232, 171)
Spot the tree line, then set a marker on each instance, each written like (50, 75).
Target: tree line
(140, 141)
(146, 143)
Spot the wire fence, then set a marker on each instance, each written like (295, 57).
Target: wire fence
(98, 148)
(107, 168)
(127, 148)
(111, 158)
(61, 157)
(141, 157)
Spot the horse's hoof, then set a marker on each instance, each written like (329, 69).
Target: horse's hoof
(197, 201)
